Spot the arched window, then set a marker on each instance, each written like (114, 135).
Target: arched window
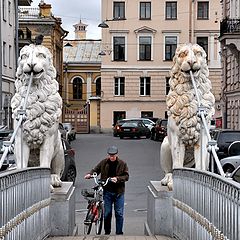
(77, 88)
(98, 87)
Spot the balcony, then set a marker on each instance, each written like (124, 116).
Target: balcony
(230, 32)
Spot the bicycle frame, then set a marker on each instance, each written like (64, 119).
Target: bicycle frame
(95, 207)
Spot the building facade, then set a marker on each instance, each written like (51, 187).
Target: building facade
(230, 52)
(82, 77)
(41, 21)
(139, 39)
(8, 55)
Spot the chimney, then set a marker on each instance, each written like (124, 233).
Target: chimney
(45, 9)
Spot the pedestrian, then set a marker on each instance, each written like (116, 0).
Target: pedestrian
(113, 193)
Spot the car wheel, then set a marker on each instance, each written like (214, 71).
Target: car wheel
(228, 169)
(152, 135)
(71, 175)
(121, 137)
(156, 137)
(148, 135)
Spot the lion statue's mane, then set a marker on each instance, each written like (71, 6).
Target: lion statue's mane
(182, 145)
(43, 111)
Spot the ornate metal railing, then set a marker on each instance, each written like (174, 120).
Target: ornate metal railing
(206, 206)
(24, 204)
(229, 26)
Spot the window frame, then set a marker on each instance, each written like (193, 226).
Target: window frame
(145, 86)
(205, 46)
(118, 8)
(145, 58)
(145, 9)
(167, 85)
(118, 48)
(119, 86)
(172, 51)
(171, 8)
(78, 94)
(201, 13)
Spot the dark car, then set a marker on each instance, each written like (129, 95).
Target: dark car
(235, 175)
(224, 138)
(116, 127)
(134, 129)
(71, 133)
(63, 131)
(159, 131)
(70, 172)
(9, 160)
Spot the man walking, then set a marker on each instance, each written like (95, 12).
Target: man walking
(113, 194)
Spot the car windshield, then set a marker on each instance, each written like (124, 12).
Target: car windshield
(130, 124)
(229, 137)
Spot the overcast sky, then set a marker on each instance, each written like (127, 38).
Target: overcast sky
(71, 11)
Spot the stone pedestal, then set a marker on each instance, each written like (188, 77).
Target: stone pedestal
(159, 210)
(62, 210)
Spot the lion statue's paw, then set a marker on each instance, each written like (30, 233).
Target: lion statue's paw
(55, 180)
(168, 181)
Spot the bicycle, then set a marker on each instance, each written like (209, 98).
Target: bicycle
(95, 205)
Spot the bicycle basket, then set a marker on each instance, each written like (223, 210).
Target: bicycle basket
(87, 193)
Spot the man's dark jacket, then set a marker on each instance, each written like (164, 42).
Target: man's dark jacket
(121, 173)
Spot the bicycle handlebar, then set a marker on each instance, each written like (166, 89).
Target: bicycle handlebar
(100, 182)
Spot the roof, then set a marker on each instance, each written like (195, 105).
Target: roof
(82, 51)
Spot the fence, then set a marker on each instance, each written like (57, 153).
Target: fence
(206, 206)
(24, 204)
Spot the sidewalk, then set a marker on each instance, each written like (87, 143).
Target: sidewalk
(104, 237)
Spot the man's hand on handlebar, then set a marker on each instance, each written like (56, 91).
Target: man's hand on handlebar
(88, 176)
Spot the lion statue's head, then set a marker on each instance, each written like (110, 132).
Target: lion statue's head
(44, 103)
(181, 100)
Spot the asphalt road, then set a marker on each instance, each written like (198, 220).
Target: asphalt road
(142, 157)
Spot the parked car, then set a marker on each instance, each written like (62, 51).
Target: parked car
(9, 160)
(229, 164)
(70, 172)
(116, 127)
(147, 122)
(159, 131)
(71, 133)
(235, 175)
(224, 138)
(62, 131)
(134, 129)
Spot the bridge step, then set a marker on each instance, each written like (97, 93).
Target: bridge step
(113, 237)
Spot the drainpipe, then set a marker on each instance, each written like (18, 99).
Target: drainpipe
(1, 67)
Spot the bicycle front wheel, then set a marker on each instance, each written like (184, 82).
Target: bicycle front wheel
(99, 221)
(88, 221)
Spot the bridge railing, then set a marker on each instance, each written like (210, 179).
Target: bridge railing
(24, 204)
(206, 206)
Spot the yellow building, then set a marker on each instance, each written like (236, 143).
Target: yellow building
(82, 78)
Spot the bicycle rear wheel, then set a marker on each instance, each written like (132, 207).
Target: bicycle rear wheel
(88, 221)
(99, 221)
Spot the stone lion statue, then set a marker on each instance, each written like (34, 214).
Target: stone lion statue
(41, 144)
(182, 146)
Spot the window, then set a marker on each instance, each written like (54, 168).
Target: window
(170, 47)
(4, 54)
(145, 10)
(145, 86)
(203, 10)
(203, 42)
(9, 13)
(146, 114)
(118, 115)
(171, 10)
(77, 88)
(145, 48)
(98, 87)
(167, 85)
(4, 9)
(119, 86)
(119, 48)
(10, 56)
(118, 10)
